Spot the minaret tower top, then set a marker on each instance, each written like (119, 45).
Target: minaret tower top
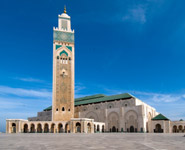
(64, 22)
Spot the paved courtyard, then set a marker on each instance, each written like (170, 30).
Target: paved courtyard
(98, 141)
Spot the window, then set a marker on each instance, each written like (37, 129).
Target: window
(110, 105)
(64, 24)
(69, 109)
(97, 107)
(63, 60)
(125, 105)
(63, 109)
(57, 109)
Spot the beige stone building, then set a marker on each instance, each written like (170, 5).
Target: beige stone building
(96, 113)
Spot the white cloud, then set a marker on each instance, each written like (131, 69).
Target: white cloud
(136, 14)
(7, 104)
(112, 92)
(14, 102)
(148, 96)
(158, 97)
(79, 88)
(29, 79)
(5, 90)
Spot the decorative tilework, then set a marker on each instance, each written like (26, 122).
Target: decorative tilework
(58, 46)
(69, 47)
(63, 52)
(63, 36)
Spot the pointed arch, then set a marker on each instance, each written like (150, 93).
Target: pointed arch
(63, 52)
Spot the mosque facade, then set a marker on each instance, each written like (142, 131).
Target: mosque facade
(90, 114)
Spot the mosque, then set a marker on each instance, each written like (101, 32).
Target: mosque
(90, 114)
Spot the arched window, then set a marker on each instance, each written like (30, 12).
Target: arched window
(110, 105)
(125, 104)
(97, 107)
(64, 60)
(63, 109)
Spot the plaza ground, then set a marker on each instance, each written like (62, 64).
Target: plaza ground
(97, 141)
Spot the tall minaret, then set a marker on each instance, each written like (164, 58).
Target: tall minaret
(63, 69)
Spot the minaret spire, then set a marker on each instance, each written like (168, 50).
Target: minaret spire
(65, 9)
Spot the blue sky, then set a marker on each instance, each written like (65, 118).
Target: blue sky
(134, 46)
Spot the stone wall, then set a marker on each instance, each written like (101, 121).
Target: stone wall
(129, 115)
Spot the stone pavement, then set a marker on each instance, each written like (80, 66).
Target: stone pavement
(97, 141)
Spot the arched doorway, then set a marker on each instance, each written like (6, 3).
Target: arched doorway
(32, 129)
(103, 128)
(180, 129)
(25, 128)
(53, 128)
(113, 129)
(60, 128)
(88, 128)
(39, 128)
(131, 124)
(13, 128)
(113, 121)
(78, 127)
(46, 128)
(131, 128)
(174, 129)
(158, 128)
(67, 128)
(98, 128)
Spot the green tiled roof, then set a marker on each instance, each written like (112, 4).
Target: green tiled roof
(160, 117)
(48, 108)
(89, 97)
(97, 99)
